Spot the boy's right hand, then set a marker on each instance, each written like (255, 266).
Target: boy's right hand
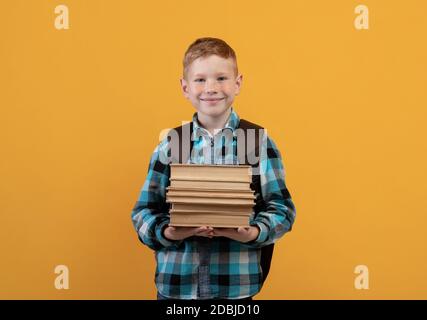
(180, 233)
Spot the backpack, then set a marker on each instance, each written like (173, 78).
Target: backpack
(184, 154)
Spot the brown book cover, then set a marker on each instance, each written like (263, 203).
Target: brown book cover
(170, 188)
(209, 194)
(209, 184)
(208, 207)
(238, 173)
(218, 221)
(210, 212)
(205, 200)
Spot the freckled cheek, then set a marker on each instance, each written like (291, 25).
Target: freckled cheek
(229, 88)
(197, 90)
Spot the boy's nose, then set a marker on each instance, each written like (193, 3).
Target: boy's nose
(211, 87)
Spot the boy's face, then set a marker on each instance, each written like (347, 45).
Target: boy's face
(211, 85)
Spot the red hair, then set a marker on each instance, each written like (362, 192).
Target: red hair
(204, 47)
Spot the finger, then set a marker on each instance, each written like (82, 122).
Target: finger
(209, 230)
(200, 230)
(205, 228)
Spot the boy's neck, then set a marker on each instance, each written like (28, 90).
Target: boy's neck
(211, 124)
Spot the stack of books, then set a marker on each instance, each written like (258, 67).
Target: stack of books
(210, 195)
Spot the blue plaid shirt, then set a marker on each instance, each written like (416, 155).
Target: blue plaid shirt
(199, 267)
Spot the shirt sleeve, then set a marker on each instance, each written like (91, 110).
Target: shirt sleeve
(280, 212)
(150, 215)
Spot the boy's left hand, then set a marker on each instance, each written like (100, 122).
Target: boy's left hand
(240, 234)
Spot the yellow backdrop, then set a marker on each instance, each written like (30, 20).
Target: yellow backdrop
(82, 109)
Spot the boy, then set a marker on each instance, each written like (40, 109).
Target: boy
(205, 262)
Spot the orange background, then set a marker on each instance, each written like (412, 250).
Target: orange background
(81, 111)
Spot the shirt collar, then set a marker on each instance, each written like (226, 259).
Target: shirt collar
(231, 123)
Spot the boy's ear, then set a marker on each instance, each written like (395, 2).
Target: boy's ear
(239, 81)
(184, 87)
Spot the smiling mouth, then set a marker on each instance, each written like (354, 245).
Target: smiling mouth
(209, 100)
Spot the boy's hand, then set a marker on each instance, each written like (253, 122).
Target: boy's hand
(180, 233)
(240, 234)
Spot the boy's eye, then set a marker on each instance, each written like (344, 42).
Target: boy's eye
(199, 80)
(222, 78)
